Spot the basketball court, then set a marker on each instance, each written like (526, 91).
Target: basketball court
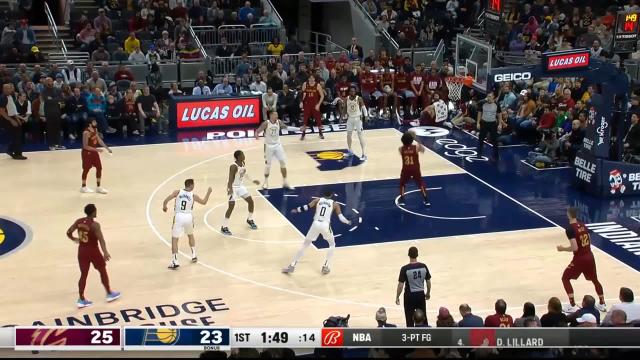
(491, 233)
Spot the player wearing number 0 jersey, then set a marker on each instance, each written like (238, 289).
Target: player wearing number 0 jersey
(325, 207)
(411, 166)
(236, 190)
(355, 110)
(183, 219)
(90, 241)
(583, 261)
(273, 148)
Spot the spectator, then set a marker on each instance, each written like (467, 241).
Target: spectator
(76, 108)
(148, 110)
(223, 50)
(86, 38)
(258, 85)
(105, 72)
(179, 12)
(381, 319)
(469, 319)
(102, 24)
(371, 8)
(137, 56)
(223, 88)
(97, 81)
(266, 18)
(444, 318)
(287, 105)
(51, 98)
(572, 141)
(130, 113)
(72, 74)
(131, 43)
(596, 49)
(588, 307)
(154, 80)
(11, 123)
(113, 113)
(618, 318)
(196, 11)
(25, 36)
(293, 46)
(153, 56)
(8, 36)
(244, 12)
(269, 102)
(23, 108)
(112, 89)
(274, 82)
(97, 106)
(13, 56)
(201, 89)
(123, 73)
(165, 45)
(356, 49)
(546, 152)
(554, 316)
(627, 305)
(419, 318)
(528, 313)
(174, 90)
(100, 54)
(587, 320)
(275, 47)
(119, 55)
(500, 318)
(35, 56)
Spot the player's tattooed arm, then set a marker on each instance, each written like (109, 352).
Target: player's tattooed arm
(171, 196)
(261, 128)
(71, 231)
(104, 145)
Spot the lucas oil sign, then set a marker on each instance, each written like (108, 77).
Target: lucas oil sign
(195, 112)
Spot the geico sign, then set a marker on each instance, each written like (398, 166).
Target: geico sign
(511, 77)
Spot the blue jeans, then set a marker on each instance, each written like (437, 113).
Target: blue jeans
(535, 157)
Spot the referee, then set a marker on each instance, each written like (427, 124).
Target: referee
(489, 117)
(412, 278)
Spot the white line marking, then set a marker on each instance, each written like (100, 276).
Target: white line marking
(397, 201)
(353, 228)
(290, 195)
(355, 211)
(543, 169)
(359, 220)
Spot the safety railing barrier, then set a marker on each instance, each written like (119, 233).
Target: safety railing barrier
(54, 28)
(388, 42)
(210, 36)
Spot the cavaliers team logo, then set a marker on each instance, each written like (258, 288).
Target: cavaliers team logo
(13, 236)
(615, 181)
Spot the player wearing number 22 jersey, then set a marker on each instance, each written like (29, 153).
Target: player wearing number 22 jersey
(411, 166)
(583, 261)
(325, 207)
(183, 219)
(88, 240)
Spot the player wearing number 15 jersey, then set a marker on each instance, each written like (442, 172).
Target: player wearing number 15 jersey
(183, 219)
(411, 166)
(88, 240)
(583, 261)
(325, 207)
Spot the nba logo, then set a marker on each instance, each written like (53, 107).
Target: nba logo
(332, 337)
(482, 337)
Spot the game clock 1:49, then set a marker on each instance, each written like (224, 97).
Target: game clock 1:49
(626, 32)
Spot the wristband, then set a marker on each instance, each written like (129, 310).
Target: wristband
(303, 208)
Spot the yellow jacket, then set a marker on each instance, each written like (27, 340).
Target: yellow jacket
(130, 44)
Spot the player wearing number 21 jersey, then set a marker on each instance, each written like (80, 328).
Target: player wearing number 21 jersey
(583, 261)
(273, 147)
(90, 241)
(409, 153)
(183, 219)
(325, 207)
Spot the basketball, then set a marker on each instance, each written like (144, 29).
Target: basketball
(167, 336)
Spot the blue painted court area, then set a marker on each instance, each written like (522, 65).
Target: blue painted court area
(461, 205)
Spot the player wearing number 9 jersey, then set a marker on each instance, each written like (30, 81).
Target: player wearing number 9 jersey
(583, 261)
(88, 240)
(325, 207)
(183, 219)
(411, 166)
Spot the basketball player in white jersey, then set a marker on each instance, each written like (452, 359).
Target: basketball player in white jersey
(183, 219)
(273, 148)
(355, 111)
(236, 190)
(325, 206)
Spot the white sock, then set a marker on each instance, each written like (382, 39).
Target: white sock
(250, 217)
(225, 222)
(193, 251)
(362, 144)
(174, 258)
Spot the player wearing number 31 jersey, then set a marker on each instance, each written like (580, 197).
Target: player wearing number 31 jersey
(325, 206)
(183, 219)
(583, 261)
(411, 166)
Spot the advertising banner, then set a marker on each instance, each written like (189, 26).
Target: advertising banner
(598, 131)
(190, 112)
(606, 178)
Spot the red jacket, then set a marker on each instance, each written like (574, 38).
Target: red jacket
(547, 120)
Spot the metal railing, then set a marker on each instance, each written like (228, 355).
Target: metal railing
(197, 42)
(389, 42)
(78, 57)
(229, 65)
(54, 28)
(425, 55)
(322, 43)
(267, 5)
(235, 35)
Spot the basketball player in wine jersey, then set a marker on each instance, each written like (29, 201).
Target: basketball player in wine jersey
(411, 166)
(583, 261)
(273, 147)
(183, 219)
(325, 207)
(88, 239)
(312, 97)
(236, 190)
(355, 111)
(91, 156)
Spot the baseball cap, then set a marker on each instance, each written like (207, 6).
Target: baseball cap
(587, 318)
(381, 314)
(35, 49)
(523, 92)
(443, 312)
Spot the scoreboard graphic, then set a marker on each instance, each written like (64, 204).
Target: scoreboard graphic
(223, 339)
(625, 38)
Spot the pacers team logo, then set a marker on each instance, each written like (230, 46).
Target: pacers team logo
(615, 181)
(162, 336)
(13, 236)
(338, 159)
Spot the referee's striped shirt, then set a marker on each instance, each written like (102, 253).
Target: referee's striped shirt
(414, 275)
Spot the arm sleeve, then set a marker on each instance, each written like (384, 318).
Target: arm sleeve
(428, 274)
(403, 275)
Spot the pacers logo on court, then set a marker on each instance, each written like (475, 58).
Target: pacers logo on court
(164, 336)
(13, 236)
(338, 159)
